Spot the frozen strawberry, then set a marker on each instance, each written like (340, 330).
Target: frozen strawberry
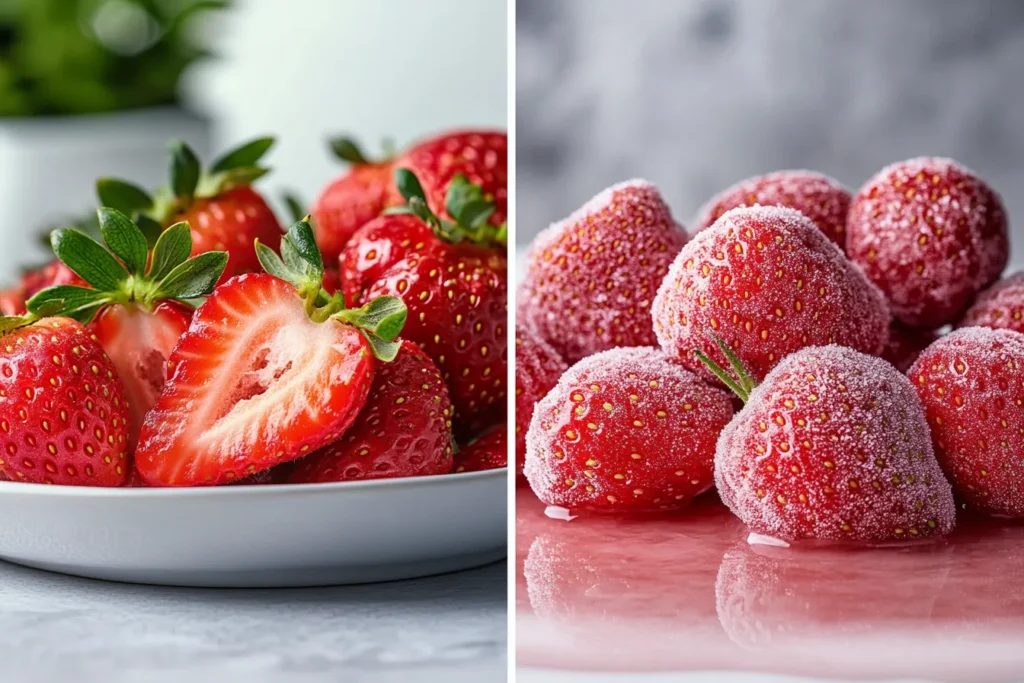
(271, 368)
(405, 430)
(768, 283)
(999, 306)
(625, 430)
(930, 234)
(905, 344)
(489, 452)
(972, 388)
(592, 276)
(538, 367)
(832, 445)
(817, 196)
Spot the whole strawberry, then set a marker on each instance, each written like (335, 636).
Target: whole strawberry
(405, 430)
(625, 430)
(832, 445)
(591, 277)
(270, 369)
(454, 285)
(930, 234)
(63, 415)
(972, 388)
(538, 367)
(134, 299)
(999, 306)
(489, 452)
(817, 196)
(351, 200)
(769, 283)
(480, 156)
(224, 212)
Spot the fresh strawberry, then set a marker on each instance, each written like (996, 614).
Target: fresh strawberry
(12, 301)
(352, 200)
(625, 430)
(133, 299)
(271, 368)
(999, 306)
(592, 276)
(769, 283)
(218, 203)
(538, 367)
(489, 452)
(405, 430)
(817, 196)
(63, 415)
(832, 445)
(905, 344)
(480, 156)
(930, 234)
(972, 388)
(455, 287)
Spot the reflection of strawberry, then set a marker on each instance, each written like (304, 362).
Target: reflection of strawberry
(405, 430)
(489, 452)
(271, 368)
(538, 367)
(455, 288)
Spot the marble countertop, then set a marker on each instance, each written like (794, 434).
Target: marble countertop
(449, 628)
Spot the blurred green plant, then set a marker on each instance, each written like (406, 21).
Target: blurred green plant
(66, 57)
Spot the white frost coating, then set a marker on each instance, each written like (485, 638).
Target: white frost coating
(761, 539)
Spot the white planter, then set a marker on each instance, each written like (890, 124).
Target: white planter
(49, 166)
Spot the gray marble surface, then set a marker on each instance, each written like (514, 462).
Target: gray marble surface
(449, 628)
(697, 94)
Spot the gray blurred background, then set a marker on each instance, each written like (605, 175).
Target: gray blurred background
(697, 94)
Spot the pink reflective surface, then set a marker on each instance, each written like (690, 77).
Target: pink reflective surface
(686, 592)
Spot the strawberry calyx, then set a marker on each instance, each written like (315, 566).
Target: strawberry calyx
(348, 150)
(238, 167)
(300, 263)
(465, 202)
(742, 382)
(124, 270)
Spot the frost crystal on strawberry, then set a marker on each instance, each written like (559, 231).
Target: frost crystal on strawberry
(1001, 306)
(768, 283)
(832, 445)
(930, 234)
(817, 196)
(625, 430)
(538, 367)
(592, 276)
(972, 386)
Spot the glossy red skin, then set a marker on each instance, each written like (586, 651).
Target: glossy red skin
(625, 431)
(972, 388)
(905, 344)
(12, 300)
(591, 277)
(348, 203)
(817, 196)
(768, 283)
(833, 446)
(480, 155)
(538, 367)
(73, 430)
(254, 383)
(457, 300)
(139, 343)
(404, 431)
(1001, 306)
(231, 222)
(489, 452)
(930, 234)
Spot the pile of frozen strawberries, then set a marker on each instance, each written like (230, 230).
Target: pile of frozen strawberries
(840, 368)
(184, 338)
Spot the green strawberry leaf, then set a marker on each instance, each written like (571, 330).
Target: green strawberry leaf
(273, 264)
(384, 317)
(70, 301)
(171, 250)
(348, 150)
(124, 239)
(123, 196)
(245, 155)
(88, 259)
(300, 236)
(9, 323)
(193, 278)
(409, 185)
(184, 170)
(382, 350)
(213, 185)
(151, 229)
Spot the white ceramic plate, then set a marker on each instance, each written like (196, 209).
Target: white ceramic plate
(251, 536)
